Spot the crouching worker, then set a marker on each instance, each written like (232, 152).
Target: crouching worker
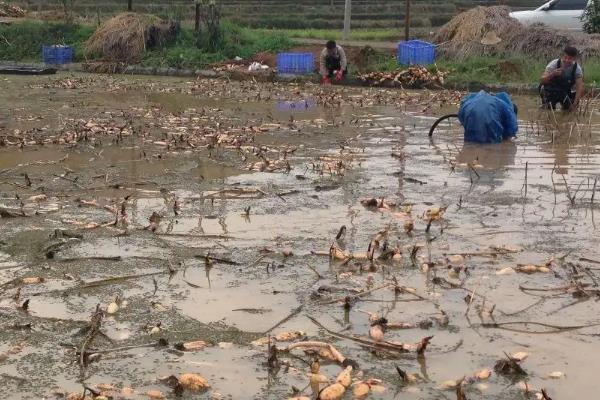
(488, 118)
(333, 63)
(562, 82)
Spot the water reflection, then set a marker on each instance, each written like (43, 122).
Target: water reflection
(302, 105)
(488, 161)
(492, 156)
(561, 158)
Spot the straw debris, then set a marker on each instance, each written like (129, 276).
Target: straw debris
(484, 31)
(127, 36)
(7, 10)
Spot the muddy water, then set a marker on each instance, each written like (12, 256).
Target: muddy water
(250, 218)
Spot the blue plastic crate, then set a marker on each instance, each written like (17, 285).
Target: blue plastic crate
(416, 52)
(295, 63)
(57, 54)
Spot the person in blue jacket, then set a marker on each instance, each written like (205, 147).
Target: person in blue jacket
(488, 118)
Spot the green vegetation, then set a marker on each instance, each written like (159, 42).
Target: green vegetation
(487, 70)
(514, 70)
(495, 70)
(591, 17)
(210, 36)
(285, 14)
(282, 14)
(23, 41)
(301, 22)
(385, 34)
(237, 42)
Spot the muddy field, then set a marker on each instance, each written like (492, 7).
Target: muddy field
(152, 228)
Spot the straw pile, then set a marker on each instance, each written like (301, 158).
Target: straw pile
(462, 35)
(540, 40)
(469, 33)
(7, 10)
(104, 67)
(412, 77)
(126, 37)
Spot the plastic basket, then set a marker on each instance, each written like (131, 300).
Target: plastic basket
(295, 63)
(57, 54)
(416, 52)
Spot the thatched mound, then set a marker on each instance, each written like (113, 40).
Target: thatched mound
(470, 33)
(126, 37)
(462, 35)
(540, 40)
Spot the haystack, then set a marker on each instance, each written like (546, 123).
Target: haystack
(542, 41)
(462, 36)
(471, 33)
(126, 37)
(491, 38)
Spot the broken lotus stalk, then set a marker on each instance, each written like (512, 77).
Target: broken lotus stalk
(316, 345)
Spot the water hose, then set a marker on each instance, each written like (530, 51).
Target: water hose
(437, 122)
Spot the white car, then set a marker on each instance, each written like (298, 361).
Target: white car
(560, 14)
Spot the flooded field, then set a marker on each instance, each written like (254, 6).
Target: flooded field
(151, 228)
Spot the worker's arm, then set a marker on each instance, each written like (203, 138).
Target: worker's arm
(323, 67)
(551, 72)
(343, 59)
(549, 75)
(462, 113)
(511, 123)
(579, 91)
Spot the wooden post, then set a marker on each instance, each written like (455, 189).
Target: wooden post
(407, 21)
(347, 17)
(197, 17)
(129, 5)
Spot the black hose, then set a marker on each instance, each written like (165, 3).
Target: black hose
(437, 122)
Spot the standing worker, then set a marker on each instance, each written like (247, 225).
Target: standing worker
(562, 82)
(334, 63)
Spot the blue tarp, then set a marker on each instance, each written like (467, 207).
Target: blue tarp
(488, 118)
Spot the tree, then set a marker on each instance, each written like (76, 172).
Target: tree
(210, 36)
(591, 17)
(67, 6)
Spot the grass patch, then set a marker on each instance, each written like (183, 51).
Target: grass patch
(376, 35)
(23, 41)
(486, 70)
(300, 22)
(509, 70)
(237, 42)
